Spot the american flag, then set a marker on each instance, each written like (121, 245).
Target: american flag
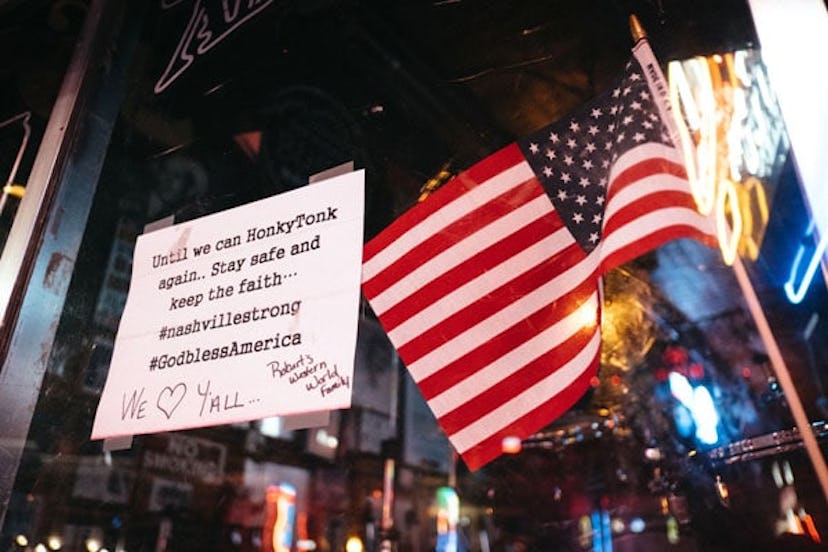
(490, 289)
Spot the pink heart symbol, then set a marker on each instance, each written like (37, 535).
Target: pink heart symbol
(170, 397)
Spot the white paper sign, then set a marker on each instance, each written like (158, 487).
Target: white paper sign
(240, 315)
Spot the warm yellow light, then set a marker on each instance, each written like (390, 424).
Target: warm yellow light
(699, 109)
(753, 204)
(21, 540)
(93, 544)
(729, 234)
(54, 542)
(40, 547)
(354, 544)
(711, 110)
(511, 445)
(14, 190)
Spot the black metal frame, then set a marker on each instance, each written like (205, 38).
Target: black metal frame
(39, 258)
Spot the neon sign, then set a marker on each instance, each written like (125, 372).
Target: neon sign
(733, 140)
(790, 31)
(799, 280)
(448, 515)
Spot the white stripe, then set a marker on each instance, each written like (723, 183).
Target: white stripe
(515, 359)
(458, 253)
(518, 309)
(647, 150)
(651, 223)
(520, 405)
(480, 286)
(652, 184)
(449, 213)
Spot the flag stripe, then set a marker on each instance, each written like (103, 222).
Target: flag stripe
(518, 309)
(504, 170)
(528, 400)
(490, 447)
(545, 327)
(417, 270)
(648, 232)
(486, 260)
(470, 304)
(503, 363)
(478, 406)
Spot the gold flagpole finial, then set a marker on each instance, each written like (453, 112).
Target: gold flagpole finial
(636, 29)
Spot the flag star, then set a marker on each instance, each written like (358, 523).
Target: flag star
(616, 92)
(635, 76)
(571, 143)
(565, 178)
(533, 147)
(605, 162)
(587, 164)
(593, 130)
(568, 160)
(647, 124)
(614, 110)
(599, 200)
(596, 113)
(590, 147)
(593, 237)
(644, 95)
(627, 120)
(581, 199)
(574, 126)
(653, 117)
(635, 105)
(547, 171)
(638, 137)
(554, 138)
(627, 90)
(621, 137)
(550, 153)
(584, 182)
(562, 194)
(596, 219)
(611, 128)
(608, 146)
(577, 218)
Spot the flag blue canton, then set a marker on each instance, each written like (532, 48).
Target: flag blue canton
(573, 158)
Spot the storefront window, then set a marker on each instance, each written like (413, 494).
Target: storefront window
(684, 440)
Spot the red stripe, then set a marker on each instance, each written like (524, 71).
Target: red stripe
(518, 382)
(465, 318)
(657, 238)
(483, 261)
(451, 234)
(520, 332)
(642, 169)
(647, 205)
(453, 189)
(491, 447)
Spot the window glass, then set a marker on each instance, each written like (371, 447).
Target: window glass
(685, 439)
(37, 39)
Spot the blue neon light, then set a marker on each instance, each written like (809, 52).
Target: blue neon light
(796, 293)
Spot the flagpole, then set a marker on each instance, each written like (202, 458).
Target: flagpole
(783, 376)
